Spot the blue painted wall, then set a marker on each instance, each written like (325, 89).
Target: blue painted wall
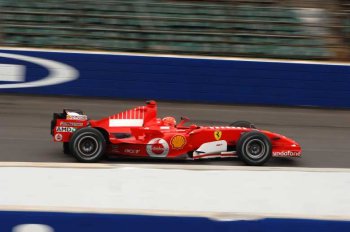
(73, 222)
(200, 80)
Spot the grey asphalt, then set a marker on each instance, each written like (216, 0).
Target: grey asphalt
(324, 134)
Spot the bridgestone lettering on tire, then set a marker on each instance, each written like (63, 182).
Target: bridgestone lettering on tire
(254, 148)
(88, 145)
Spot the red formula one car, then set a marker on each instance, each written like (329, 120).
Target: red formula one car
(139, 133)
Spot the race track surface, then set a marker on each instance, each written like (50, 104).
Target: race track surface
(323, 134)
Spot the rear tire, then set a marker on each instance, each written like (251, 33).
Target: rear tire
(245, 124)
(88, 145)
(254, 148)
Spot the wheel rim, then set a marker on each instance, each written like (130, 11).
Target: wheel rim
(88, 146)
(255, 149)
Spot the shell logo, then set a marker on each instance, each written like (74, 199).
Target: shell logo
(178, 141)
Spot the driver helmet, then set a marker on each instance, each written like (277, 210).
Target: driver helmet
(169, 121)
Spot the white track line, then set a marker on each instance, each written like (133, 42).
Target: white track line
(168, 166)
(212, 215)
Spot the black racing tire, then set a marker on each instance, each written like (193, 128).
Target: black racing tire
(254, 148)
(66, 149)
(88, 145)
(245, 124)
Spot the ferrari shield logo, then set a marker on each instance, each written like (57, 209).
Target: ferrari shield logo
(217, 134)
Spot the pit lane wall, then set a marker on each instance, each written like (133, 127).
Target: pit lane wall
(140, 76)
(101, 197)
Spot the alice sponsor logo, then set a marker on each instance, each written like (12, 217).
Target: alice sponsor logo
(65, 129)
(287, 153)
(131, 151)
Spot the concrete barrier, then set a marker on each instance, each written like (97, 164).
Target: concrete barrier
(103, 197)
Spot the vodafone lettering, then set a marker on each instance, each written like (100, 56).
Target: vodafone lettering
(157, 148)
(286, 153)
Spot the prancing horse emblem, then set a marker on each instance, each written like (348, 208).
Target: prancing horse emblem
(217, 134)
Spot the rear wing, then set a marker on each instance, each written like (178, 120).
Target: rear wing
(74, 114)
(64, 124)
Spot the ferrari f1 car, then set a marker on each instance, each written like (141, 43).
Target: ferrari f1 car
(139, 133)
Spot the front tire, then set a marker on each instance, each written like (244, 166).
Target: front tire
(254, 148)
(88, 145)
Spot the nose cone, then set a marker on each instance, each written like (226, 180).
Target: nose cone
(285, 147)
(291, 142)
(295, 147)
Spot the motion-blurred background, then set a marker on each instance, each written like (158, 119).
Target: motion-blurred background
(315, 97)
(292, 29)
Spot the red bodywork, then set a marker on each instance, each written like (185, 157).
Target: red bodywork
(139, 133)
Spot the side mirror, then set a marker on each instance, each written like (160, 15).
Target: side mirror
(183, 121)
(151, 102)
